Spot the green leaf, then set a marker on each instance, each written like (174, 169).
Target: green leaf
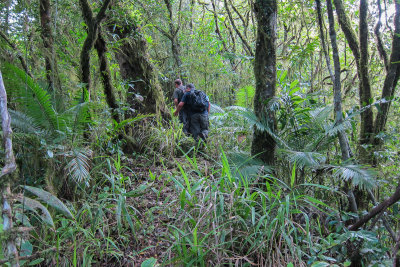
(33, 205)
(293, 178)
(50, 200)
(35, 262)
(320, 264)
(26, 248)
(151, 262)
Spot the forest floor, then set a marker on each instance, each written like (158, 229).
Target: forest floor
(157, 208)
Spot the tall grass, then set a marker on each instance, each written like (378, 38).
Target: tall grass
(228, 219)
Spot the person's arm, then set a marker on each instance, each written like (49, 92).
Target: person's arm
(178, 108)
(209, 106)
(176, 102)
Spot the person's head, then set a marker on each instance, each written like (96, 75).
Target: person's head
(189, 87)
(178, 82)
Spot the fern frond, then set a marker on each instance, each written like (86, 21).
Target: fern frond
(304, 159)
(79, 165)
(78, 116)
(24, 123)
(34, 99)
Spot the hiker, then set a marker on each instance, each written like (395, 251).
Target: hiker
(198, 105)
(183, 114)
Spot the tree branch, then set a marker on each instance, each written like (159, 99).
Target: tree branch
(381, 49)
(246, 45)
(377, 209)
(19, 54)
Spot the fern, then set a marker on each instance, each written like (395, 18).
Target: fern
(24, 123)
(33, 99)
(78, 116)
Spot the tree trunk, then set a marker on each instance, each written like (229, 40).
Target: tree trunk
(101, 49)
(265, 76)
(361, 57)
(93, 24)
(381, 49)
(367, 119)
(337, 95)
(173, 36)
(10, 166)
(144, 95)
(53, 80)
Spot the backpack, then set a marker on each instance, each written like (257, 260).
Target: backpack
(199, 101)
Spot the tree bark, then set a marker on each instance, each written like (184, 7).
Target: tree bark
(265, 76)
(337, 94)
(106, 79)
(144, 95)
(92, 24)
(10, 166)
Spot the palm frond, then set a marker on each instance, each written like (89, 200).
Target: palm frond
(263, 126)
(216, 109)
(359, 175)
(320, 116)
(246, 165)
(79, 165)
(304, 159)
(334, 129)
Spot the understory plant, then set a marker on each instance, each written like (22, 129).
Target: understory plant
(227, 218)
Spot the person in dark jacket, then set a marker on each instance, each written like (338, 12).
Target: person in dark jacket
(198, 119)
(183, 114)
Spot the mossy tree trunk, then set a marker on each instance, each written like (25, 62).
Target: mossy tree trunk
(105, 73)
(96, 39)
(144, 94)
(265, 76)
(53, 80)
(93, 24)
